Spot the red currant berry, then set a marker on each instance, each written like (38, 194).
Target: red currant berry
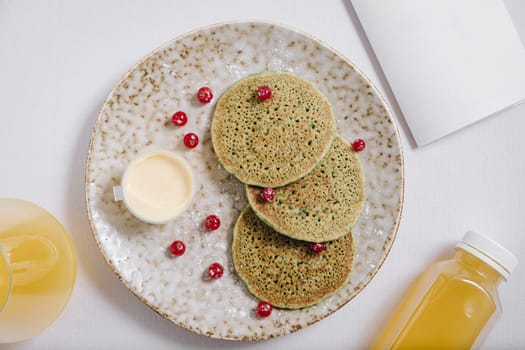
(264, 309)
(358, 145)
(215, 271)
(177, 248)
(264, 93)
(268, 194)
(212, 222)
(317, 247)
(191, 140)
(179, 118)
(204, 95)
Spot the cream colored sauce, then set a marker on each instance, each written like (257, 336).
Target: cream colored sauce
(157, 187)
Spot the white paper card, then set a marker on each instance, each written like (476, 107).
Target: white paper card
(448, 62)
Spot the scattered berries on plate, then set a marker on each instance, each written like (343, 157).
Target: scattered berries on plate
(264, 309)
(215, 271)
(268, 194)
(177, 248)
(204, 95)
(359, 145)
(317, 247)
(179, 118)
(264, 93)
(191, 140)
(212, 222)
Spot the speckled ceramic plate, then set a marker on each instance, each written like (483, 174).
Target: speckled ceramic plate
(136, 119)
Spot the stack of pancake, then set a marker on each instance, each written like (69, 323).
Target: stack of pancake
(289, 143)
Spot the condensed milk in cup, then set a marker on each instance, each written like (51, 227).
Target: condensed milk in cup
(156, 187)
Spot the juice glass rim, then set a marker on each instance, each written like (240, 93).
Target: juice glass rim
(6, 285)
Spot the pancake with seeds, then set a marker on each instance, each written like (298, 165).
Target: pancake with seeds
(273, 142)
(323, 205)
(286, 272)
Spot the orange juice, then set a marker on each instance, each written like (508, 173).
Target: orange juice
(5, 279)
(452, 303)
(37, 271)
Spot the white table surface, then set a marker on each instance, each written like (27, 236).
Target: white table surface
(59, 60)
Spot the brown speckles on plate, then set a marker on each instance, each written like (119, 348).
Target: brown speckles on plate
(135, 119)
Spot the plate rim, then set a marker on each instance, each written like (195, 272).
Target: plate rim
(397, 217)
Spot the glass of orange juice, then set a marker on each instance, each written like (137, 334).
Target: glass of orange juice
(37, 269)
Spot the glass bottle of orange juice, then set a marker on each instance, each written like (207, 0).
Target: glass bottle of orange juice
(37, 270)
(454, 302)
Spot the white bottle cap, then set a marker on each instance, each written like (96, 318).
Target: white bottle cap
(490, 252)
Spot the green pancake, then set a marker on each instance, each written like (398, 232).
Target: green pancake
(283, 271)
(273, 142)
(323, 205)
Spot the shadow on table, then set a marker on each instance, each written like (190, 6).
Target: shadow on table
(392, 102)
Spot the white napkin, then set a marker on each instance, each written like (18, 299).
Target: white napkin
(448, 62)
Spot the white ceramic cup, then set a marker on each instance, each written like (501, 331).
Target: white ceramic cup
(156, 187)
